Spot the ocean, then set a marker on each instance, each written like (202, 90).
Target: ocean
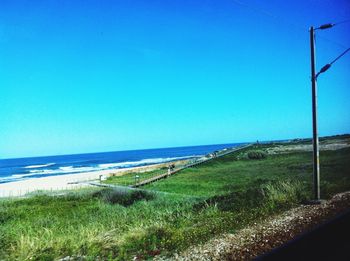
(28, 168)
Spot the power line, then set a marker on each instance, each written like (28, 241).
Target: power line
(254, 8)
(269, 14)
(331, 41)
(328, 65)
(342, 22)
(290, 24)
(343, 53)
(332, 25)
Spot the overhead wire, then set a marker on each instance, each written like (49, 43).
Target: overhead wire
(342, 22)
(331, 41)
(342, 54)
(294, 25)
(299, 27)
(328, 65)
(269, 14)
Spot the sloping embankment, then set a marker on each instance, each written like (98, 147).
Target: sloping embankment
(258, 239)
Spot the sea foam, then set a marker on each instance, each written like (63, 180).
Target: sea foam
(142, 162)
(39, 166)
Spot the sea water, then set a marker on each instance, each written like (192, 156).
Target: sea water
(27, 168)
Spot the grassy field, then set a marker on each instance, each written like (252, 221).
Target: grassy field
(129, 178)
(220, 196)
(228, 174)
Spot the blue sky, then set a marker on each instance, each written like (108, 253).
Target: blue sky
(88, 76)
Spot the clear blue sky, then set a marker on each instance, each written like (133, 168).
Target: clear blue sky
(88, 76)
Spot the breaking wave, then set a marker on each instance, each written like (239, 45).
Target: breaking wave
(36, 171)
(142, 162)
(39, 166)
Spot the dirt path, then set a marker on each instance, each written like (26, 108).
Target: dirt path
(260, 238)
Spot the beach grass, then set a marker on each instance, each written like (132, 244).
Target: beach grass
(46, 227)
(217, 197)
(133, 177)
(235, 172)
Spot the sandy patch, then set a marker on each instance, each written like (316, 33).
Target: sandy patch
(64, 182)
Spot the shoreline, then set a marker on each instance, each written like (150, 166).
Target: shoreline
(75, 180)
(66, 181)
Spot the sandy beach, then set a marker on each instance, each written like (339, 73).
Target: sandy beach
(63, 182)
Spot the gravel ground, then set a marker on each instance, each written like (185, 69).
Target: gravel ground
(260, 238)
(307, 147)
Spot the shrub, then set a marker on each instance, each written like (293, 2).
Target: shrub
(256, 155)
(234, 201)
(271, 195)
(283, 194)
(122, 197)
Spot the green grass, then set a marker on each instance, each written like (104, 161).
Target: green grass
(228, 174)
(87, 224)
(220, 196)
(129, 178)
(47, 227)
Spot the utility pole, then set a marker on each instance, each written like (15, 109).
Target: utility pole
(314, 75)
(316, 161)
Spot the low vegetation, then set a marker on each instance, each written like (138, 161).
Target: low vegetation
(219, 196)
(256, 155)
(134, 177)
(123, 198)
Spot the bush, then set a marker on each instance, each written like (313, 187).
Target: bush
(256, 155)
(123, 198)
(282, 194)
(234, 201)
(271, 195)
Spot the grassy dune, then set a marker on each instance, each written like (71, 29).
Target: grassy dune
(129, 178)
(217, 197)
(236, 173)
